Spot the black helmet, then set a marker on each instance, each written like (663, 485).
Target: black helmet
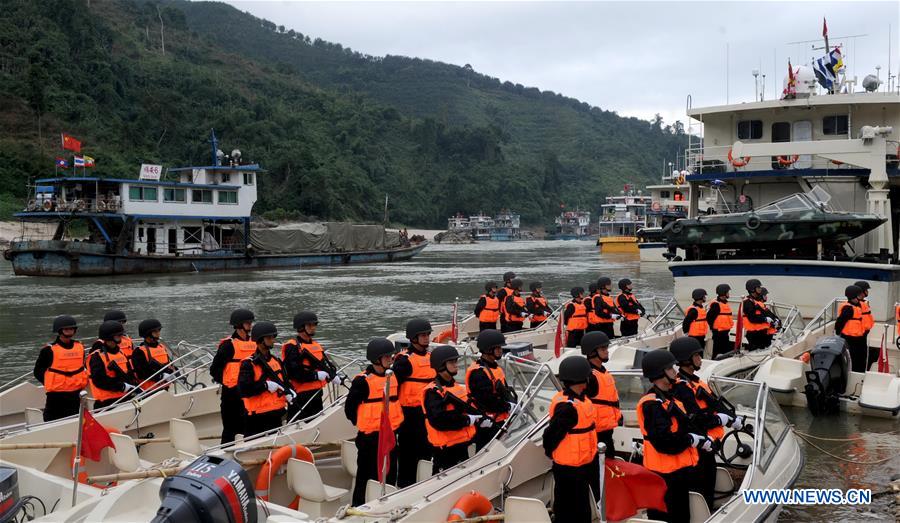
(507, 276)
(864, 285)
(535, 285)
(489, 286)
(852, 291)
(683, 348)
(603, 281)
(378, 347)
(241, 316)
(722, 289)
(624, 283)
(574, 369)
(516, 283)
(417, 326)
(763, 291)
(64, 322)
(110, 329)
(656, 362)
(577, 291)
(593, 341)
(592, 288)
(114, 316)
(262, 329)
(752, 285)
(490, 338)
(147, 326)
(698, 294)
(304, 318)
(441, 355)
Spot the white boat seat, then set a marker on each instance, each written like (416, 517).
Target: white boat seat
(525, 509)
(373, 489)
(698, 506)
(33, 416)
(880, 391)
(184, 438)
(424, 470)
(348, 457)
(125, 456)
(724, 481)
(317, 498)
(785, 375)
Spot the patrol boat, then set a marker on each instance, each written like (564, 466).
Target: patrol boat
(621, 217)
(198, 221)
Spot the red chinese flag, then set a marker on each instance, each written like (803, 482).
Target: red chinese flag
(739, 328)
(69, 143)
(629, 488)
(386, 443)
(94, 438)
(884, 365)
(560, 340)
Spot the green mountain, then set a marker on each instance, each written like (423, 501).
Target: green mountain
(141, 81)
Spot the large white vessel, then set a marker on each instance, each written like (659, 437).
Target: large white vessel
(621, 217)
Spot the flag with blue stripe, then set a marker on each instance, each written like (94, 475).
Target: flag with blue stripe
(828, 67)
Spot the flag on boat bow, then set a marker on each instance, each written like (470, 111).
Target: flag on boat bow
(94, 437)
(630, 487)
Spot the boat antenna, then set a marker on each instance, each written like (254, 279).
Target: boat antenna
(215, 147)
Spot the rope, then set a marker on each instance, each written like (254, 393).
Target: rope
(820, 438)
(841, 458)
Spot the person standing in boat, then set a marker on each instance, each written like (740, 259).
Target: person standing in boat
(60, 369)
(629, 307)
(502, 294)
(604, 309)
(775, 324)
(756, 320)
(671, 448)
(537, 306)
(263, 384)
(109, 369)
(868, 319)
(701, 405)
(150, 360)
(570, 440)
(720, 320)
(592, 321)
(363, 407)
(602, 389)
(575, 317)
(450, 429)
(304, 363)
(488, 307)
(224, 370)
(412, 368)
(849, 325)
(514, 307)
(127, 344)
(694, 323)
(486, 383)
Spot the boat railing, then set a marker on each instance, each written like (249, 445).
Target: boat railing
(665, 313)
(826, 315)
(12, 383)
(94, 205)
(714, 159)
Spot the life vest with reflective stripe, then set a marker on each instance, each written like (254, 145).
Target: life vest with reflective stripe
(540, 304)
(749, 325)
(724, 321)
(605, 402)
(658, 461)
(854, 326)
(515, 318)
(368, 413)
(491, 311)
(579, 446)
(242, 350)
(66, 372)
(498, 379)
(698, 327)
(120, 360)
(447, 438)
(578, 319)
(868, 321)
(715, 432)
(265, 401)
(630, 300)
(411, 388)
(317, 352)
(159, 354)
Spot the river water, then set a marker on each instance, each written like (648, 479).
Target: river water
(355, 303)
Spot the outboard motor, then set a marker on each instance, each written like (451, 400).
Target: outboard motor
(830, 363)
(209, 490)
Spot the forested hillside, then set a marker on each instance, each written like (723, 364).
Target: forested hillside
(145, 81)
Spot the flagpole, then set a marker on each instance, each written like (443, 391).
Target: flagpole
(76, 463)
(601, 503)
(387, 404)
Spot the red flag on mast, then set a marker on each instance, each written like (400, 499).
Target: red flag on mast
(69, 143)
(884, 365)
(824, 27)
(560, 339)
(94, 438)
(454, 326)
(739, 328)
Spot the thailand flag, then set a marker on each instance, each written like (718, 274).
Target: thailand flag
(79, 161)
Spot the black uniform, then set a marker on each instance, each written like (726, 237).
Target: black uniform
(249, 386)
(515, 310)
(502, 293)
(757, 339)
(629, 306)
(302, 370)
(59, 404)
(537, 309)
(486, 397)
(605, 311)
(861, 355)
(231, 405)
(411, 435)
(573, 337)
(144, 368)
(721, 339)
(689, 318)
(441, 418)
(101, 380)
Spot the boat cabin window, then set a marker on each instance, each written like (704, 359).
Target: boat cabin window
(228, 197)
(836, 124)
(248, 178)
(226, 177)
(749, 129)
(142, 193)
(192, 234)
(663, 194)
(173, 195)
(781, 132)
(201, 196)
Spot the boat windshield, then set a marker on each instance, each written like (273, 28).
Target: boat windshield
(535, 386)
(816, 198)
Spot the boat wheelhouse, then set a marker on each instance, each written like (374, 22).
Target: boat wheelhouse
(481, 225)
(572, 225)
(620, 219)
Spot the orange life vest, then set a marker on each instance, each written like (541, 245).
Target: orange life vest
(578, 319)
(515, 318)
(368, 414)
(66, 372)
(541, 305)
(631, 300)
(159, 354)
(724, 321)
(316, 351)
(265, 401)
(501, 296)
(605, 402)
(716, 432)
(448, 438)
(491, 311)
(698, 327)
(655, 460)
(242, 350)
(854, 326)
(120, 360)
(126, 346)
(750, 325)
(868, 320)
(411, 389)
(498, 379)
(579, 446)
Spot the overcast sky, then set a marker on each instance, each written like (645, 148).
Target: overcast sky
(636, 58)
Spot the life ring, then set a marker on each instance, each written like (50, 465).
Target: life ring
(443, 336)
(473, 504)
(738, 163)
(47, 205)
(785, 161)
(79, 205)
(101, 205)
(677, 226)
(752, 222)
(837, 162)
(275, 461)
(32, 205)
(655, 206)
(679, 180)
(82, 474)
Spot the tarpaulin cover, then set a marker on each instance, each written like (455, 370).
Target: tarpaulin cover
(323, 237)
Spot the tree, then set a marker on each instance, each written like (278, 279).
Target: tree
(656, 122)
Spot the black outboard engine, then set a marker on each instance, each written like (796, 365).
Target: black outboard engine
(209, 490)
(830, 363)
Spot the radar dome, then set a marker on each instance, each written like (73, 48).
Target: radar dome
(870, 83)
(236, 154)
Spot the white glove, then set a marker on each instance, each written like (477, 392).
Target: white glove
(724, 419)
(512, 406)
(338, 379)
(523, 314)
(701, 442)
(129, 387)
(738, 422)
(291, 396)
(321, 375)
(473, 419)
(486, 422)
(617, 316)
(770, 321)
(271, 386)
(167, 376)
